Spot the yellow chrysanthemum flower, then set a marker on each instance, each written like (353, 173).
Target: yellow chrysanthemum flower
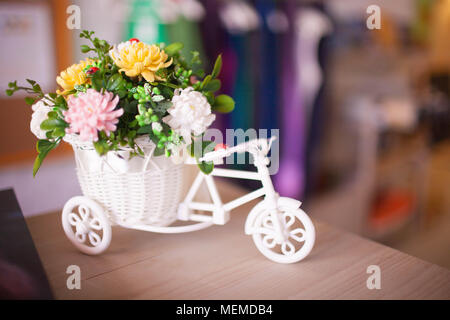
(140, 59)
(73, 75)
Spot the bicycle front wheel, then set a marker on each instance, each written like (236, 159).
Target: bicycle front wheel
(298, 240)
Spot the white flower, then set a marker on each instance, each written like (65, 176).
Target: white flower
(40, 111)
(190, 113)
(116, 49)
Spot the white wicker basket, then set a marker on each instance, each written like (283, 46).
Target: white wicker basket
(140, 190)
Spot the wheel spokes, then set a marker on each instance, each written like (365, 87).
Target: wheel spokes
(287, 248)
(269, 241)
(74, 219)
(84, 212)
(289, 219)
(95, 224)
(84, 224)
(263, 230)
(267, 222)
(80, 236)
(298, 234)
(94, 238)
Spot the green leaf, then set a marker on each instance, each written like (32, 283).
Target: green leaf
(43, 147)
(97, 81)
(158, 152)
(85, 48)
(9, 92)
(50, 124)
(161, 107)
(114, 82)
(213, 85)
(205, 81)
(131, 134)
(37, 163)
(61, 102)
(29, 100)
(130, 107)
(145, 129)
(122, 93)
(206, 167)
(52, 115)
(210, 97)
(200, 73)
(101, 147)
(173, 48)
(208, 146)
(58, 132)
(217, 67)
(31, 82)
(142, 109)
(197, 151)
(157, 98)
(223, 104)
(52, 95)
(37, 88)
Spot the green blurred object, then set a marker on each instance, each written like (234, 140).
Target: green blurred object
(186, 32)
(420, 27)
(145, 24)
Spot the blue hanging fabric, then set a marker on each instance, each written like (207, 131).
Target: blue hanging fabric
(267, 101)
(240, 19)
(215, 42)
(242, 90)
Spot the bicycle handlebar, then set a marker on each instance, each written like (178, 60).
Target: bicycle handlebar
(263, 145)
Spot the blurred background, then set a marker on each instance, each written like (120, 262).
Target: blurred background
(364, 114)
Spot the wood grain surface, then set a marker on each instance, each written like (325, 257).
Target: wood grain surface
(221, 262)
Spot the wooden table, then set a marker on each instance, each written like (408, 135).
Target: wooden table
(221, 262)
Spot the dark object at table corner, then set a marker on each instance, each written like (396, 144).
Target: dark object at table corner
(22, 275)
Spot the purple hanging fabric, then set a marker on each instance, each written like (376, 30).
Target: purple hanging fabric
(290, 179)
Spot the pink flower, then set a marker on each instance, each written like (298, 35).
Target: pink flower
(90, 112)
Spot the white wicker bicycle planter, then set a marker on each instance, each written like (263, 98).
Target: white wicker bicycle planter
(145, 190)
(146, 193)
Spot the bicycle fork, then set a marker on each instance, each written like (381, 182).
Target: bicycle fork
(271, 199)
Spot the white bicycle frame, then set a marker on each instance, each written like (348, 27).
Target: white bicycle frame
(259, 148)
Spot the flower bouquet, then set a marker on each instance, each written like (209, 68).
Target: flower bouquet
(128, 111)
(125, 93)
